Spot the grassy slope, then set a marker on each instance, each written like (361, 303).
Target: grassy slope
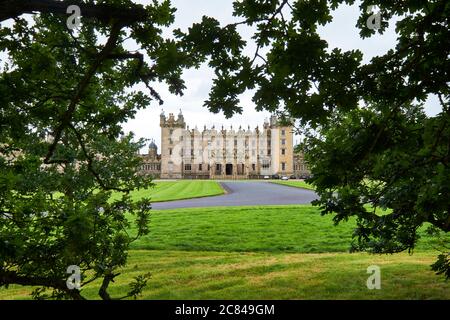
(294, 183)
(264, 253)
(295, 228)
(177, 190)
(220, 275)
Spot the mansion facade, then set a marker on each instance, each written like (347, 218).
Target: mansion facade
(218, 153)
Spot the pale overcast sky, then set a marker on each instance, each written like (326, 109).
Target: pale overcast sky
(340, 33)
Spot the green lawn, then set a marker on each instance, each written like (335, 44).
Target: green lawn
(215, 275)
(294, 183)
(293, 228)
(234, 275)
(270, 252)
(178, 190)
(267, 228)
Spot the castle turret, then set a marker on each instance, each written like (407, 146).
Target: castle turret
(162, 118)
(273, 120)
(180, 119)
(153, 150)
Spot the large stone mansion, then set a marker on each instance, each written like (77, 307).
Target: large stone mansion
(218, 153)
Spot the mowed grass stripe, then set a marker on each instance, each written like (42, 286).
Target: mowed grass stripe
(177, 190)
(219, 275)
(298, 228)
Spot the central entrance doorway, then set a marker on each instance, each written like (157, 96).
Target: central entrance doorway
(229, 169)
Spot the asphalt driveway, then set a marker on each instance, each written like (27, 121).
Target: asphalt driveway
(246, 193)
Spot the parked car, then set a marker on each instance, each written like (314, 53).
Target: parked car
(275, 176)
(293, 177)
(266, 177)
(284, 178)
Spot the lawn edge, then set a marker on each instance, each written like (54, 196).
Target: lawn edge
(224, 192)
(287, 185)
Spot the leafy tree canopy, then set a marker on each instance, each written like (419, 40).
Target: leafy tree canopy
(64, 95)
(369, 143)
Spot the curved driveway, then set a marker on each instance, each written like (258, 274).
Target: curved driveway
(245, 193)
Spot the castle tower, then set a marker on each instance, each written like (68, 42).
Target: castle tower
(282, 136)
(172, 134)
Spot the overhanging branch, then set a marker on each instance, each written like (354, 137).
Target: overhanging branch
(102, 12)
(11, 277)
(67, 116)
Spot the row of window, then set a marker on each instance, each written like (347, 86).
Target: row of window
(283, 132)
(188, 167)
(302, 167)
(283, 142)
(265, 165)
(151, 167)
(269, 152)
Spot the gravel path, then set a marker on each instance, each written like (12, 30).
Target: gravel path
(246, 193)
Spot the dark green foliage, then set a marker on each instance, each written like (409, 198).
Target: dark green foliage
(442, 265)
(63, 98)
(368, 138)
